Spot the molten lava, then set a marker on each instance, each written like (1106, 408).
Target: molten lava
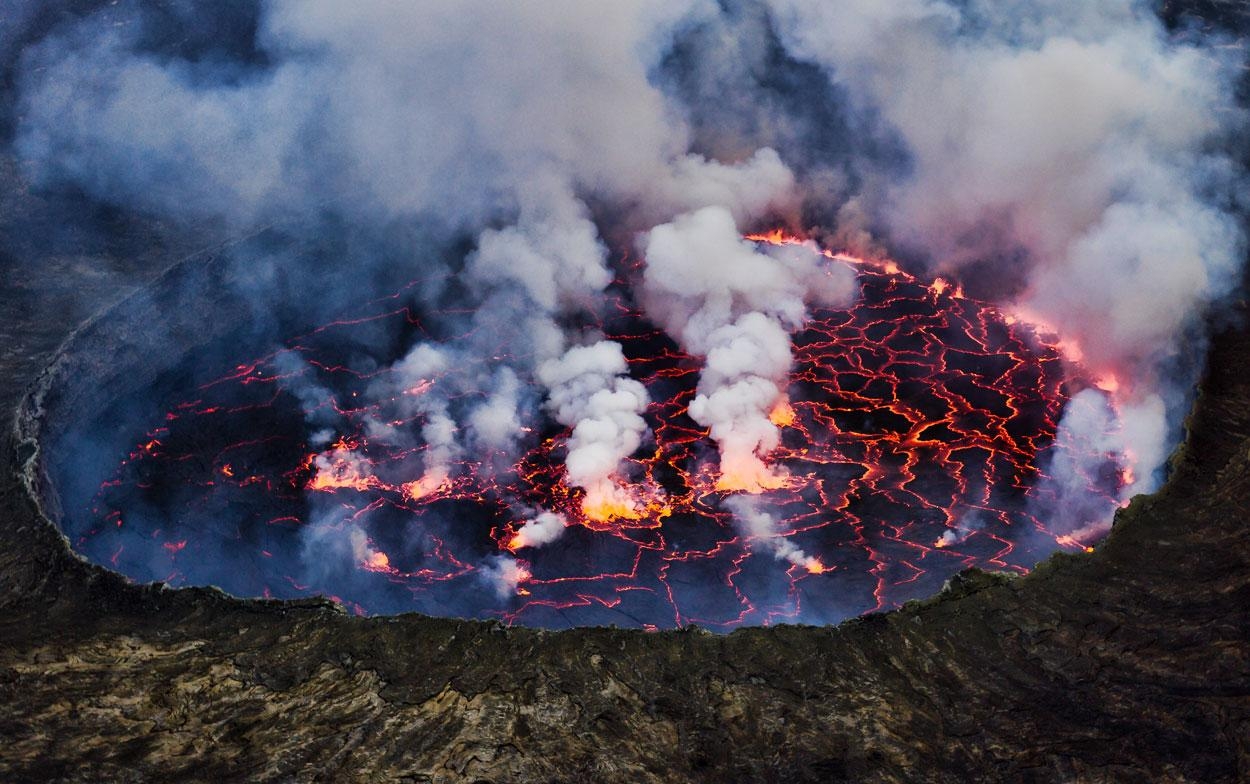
(915, 435)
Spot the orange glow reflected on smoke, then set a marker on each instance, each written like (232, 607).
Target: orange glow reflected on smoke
(523, 575)
(342, 475)
(611, 501)
(1108, 383)
(749, 475)
(776, 237)
(425, 486)
(782, 414)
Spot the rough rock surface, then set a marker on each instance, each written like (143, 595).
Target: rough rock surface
(1128, 664)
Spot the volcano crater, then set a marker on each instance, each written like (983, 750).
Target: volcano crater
(175, 447)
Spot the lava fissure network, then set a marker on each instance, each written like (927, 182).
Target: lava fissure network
(916, 434)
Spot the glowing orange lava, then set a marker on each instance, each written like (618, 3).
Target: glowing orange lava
(782, 414)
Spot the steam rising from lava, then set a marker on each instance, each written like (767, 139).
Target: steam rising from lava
(1069, 153)
(592, 393)
(1068, 162)
(735, 305)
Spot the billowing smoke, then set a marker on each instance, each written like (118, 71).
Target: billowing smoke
(735, 305)
(1068, 160)
(592, 393)
(543, 529)
(1065, 157)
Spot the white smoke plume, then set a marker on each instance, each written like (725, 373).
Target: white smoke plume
(504, 575)
(735, 305)
(317, 402)
(554, 256)
(1068, 152)
(412, 391)
(591, 392)
(425, 364)
(968, 524)
(543, 528)
(552, 253)
(761, 528)
(1091, 430)
(495, 423)
(334, 543)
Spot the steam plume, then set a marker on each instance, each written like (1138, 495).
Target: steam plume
(735, 305)
(1064, 157)
(592, 393)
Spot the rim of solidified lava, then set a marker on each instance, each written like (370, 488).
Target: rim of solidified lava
(31, 422)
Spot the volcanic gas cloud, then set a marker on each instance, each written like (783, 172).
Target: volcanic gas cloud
(707, 313)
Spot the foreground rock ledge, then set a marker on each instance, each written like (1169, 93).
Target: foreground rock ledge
(1129, 664)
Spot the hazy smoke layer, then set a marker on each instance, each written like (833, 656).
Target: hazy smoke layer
(1068, 159)
(1063, 156)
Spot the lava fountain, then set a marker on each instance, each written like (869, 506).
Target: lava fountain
(916, 432)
